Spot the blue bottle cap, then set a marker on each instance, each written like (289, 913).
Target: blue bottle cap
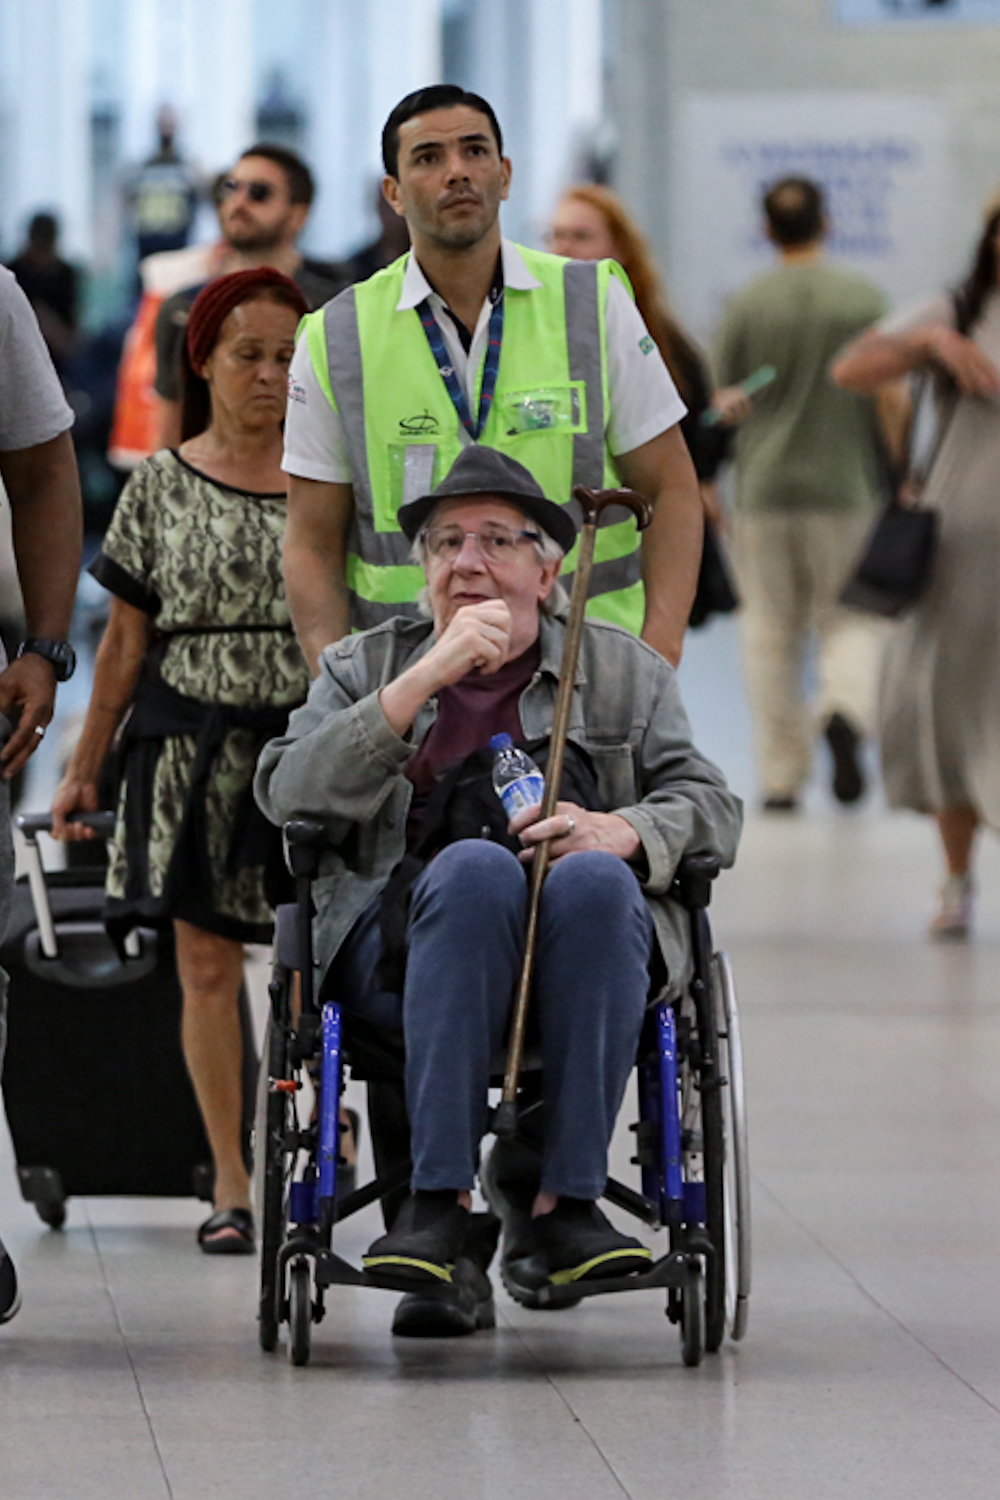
(500, 742)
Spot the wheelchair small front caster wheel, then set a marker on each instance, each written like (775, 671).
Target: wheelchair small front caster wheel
(692, 1317)
(299, 1312)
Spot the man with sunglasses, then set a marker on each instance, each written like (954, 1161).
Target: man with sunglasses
(263, 205)
(472, 339)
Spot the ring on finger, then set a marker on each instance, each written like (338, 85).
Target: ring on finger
(570, 824)
(39, 730)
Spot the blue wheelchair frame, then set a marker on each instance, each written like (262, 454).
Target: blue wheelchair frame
(706, 1212)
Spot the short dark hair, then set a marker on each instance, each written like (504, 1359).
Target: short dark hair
(301, 183)
(794, 209)
(43, 229)
(436, 96)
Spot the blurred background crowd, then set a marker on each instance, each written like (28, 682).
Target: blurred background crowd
(117, 116)
(121, 122)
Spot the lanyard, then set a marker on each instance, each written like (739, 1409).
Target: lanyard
(491, 365)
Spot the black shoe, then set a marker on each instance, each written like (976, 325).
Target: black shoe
(777, 802)
(10, 1296)
(577, 1243)
(423, 1244)
(845, 742)
(466, 1305)
(510, 1178)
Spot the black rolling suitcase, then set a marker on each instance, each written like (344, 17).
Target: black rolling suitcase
(96, 1092)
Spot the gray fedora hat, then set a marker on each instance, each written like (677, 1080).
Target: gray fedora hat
(484, 471)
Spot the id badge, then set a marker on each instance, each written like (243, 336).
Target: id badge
(418, 470)
(412, 472)
(547, 409)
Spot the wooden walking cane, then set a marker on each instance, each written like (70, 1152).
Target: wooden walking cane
(591, 502)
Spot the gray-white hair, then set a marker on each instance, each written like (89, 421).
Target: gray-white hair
(547, 550)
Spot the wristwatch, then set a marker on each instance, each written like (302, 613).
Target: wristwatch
(59, 653)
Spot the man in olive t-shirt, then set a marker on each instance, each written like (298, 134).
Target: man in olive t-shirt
(806, 486)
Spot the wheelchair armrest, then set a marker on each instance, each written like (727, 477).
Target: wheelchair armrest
(692, 882)
(304, 839)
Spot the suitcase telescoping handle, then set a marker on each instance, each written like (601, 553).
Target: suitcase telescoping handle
(30, 825)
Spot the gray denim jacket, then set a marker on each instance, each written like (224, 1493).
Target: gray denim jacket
(341, 764)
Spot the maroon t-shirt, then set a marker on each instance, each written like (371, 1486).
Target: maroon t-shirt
(469, 713)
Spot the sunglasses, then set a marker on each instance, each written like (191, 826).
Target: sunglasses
(257, 192)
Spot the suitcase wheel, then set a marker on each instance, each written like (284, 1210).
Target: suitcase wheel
(43, 1187)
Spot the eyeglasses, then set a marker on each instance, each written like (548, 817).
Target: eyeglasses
(496, 542)
(257, 192)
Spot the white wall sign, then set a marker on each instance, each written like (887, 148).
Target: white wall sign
(925, 12)
(882, 160)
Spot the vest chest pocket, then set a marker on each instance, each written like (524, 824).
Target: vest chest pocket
(548, 408)
(616, 778)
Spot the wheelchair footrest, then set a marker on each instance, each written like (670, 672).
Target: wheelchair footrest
(332, 1270)
(669, 1271)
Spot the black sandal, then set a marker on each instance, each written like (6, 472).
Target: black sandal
(228, 1232)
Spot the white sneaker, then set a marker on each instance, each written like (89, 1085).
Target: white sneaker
(952, 920)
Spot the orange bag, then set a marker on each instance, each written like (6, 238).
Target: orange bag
(134, 430)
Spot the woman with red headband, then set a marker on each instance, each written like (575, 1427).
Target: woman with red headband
(200, 647)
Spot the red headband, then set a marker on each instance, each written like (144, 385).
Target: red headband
(216, 301)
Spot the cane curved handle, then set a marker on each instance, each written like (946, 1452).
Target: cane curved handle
(592, 502)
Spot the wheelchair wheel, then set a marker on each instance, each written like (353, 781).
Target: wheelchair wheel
(299, 1312)
(703, 1137)
(713, 1147)
(737, 1170)
(692, 1317)
(270, 1171)
(713, 1133)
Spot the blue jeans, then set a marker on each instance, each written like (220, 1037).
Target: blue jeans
(465, 941)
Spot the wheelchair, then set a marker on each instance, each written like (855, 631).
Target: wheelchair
(691, 1137)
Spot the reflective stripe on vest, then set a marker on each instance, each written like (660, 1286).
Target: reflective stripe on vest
(401, 431)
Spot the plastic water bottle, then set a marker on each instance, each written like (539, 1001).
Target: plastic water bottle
(517, 781)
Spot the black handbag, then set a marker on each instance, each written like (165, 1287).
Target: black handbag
(896, 564)
(716, 593)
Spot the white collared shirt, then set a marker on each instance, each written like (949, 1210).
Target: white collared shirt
(643, 399)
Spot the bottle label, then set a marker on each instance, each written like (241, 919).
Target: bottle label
(526, 791)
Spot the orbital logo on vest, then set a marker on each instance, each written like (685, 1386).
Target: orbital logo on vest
(424, 425)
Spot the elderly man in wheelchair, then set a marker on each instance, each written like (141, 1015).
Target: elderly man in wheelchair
(423, 933)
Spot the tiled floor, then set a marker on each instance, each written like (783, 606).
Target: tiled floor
(870, 1370)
